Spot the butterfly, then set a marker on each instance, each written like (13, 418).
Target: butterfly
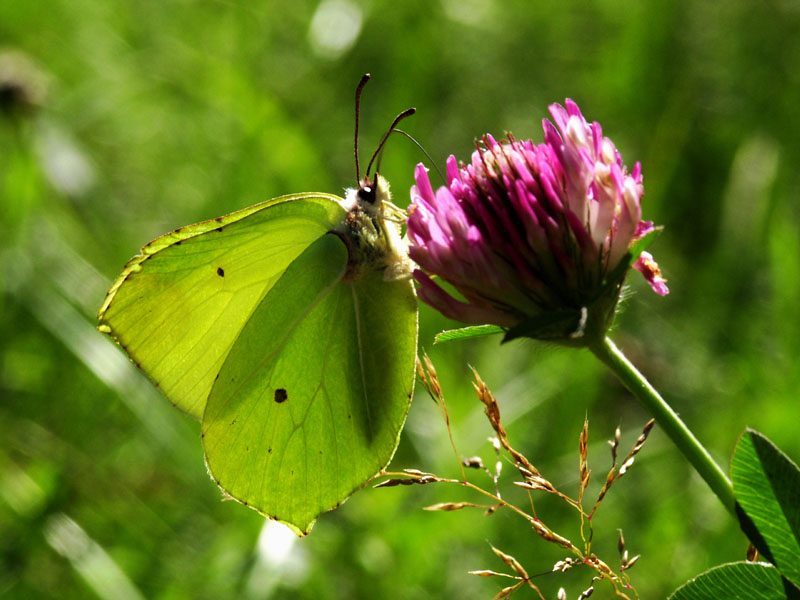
(289, 329)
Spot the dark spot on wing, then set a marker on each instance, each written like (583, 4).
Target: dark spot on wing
(281, 395)
(220, 272)
(218, 229)
(178, 243)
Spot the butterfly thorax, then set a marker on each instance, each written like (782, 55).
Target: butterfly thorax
(371, 231)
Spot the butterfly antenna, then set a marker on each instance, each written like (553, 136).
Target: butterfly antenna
(424, 151)
(397, 119)
(359, 89)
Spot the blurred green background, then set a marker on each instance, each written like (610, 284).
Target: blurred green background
(120, 121)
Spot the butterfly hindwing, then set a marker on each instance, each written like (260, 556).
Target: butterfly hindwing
(312, 397)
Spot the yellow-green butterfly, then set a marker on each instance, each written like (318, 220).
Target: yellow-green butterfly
(289, 329)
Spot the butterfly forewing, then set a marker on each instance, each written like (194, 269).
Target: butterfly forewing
(179, 306)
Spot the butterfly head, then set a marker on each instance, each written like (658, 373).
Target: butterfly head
(373, 195)
(371, 230)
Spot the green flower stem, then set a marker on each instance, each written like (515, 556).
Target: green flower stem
(679, 433)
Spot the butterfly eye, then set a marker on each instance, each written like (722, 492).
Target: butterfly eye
(367, 194)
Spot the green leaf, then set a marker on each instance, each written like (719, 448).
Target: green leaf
(467, 332)
(737, 581)
(642, 244)
(766, 484)
(618, 274)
